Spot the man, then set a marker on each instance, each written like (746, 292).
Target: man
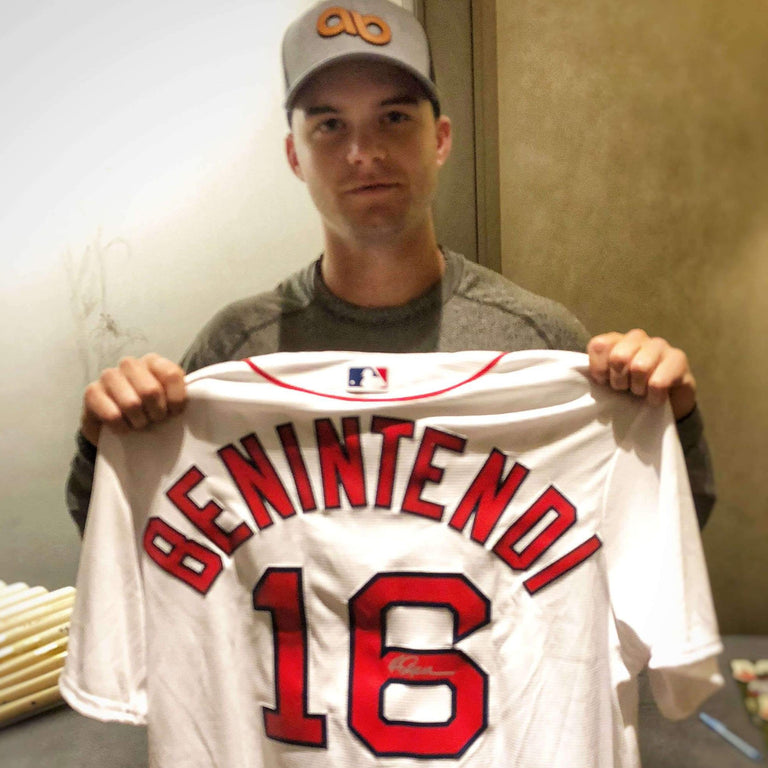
(368, 139)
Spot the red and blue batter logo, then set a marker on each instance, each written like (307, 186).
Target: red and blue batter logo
(368, 379)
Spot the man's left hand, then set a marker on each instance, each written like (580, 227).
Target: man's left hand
(648, 367)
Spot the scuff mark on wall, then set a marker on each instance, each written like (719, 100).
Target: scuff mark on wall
(101, 339)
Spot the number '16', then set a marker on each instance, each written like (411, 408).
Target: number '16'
(374, 666)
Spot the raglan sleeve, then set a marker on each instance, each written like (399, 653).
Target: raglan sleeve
(657, 574)
(104, 675)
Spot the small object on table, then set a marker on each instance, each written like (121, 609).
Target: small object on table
(734, 740)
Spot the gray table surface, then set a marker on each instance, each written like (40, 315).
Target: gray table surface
(61, 738)
(689, 743)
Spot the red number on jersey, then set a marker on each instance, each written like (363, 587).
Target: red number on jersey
(280, 592)
(374, 666)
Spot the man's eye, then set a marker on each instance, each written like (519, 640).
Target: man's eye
(395, 117)
(330, 125)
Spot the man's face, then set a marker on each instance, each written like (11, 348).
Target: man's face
(368, 146)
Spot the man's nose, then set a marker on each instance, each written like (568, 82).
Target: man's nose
(365, 146)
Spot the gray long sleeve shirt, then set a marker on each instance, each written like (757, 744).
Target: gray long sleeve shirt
(470, 308)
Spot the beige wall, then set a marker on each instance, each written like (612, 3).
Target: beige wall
(634, 189)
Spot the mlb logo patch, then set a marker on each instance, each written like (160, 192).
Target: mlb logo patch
(367, 379)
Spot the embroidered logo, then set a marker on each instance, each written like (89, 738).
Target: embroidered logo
(368, 379)
(373, 29)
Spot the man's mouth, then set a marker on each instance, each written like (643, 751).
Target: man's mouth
(372, 188)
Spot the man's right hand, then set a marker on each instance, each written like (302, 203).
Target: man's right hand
(133, 395)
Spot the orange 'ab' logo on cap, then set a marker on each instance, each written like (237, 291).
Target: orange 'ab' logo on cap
(353, 23)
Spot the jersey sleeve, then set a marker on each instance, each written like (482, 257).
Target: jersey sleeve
(105, 673)
(80, 481)
(658, 580)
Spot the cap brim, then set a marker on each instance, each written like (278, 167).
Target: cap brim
(427, 85)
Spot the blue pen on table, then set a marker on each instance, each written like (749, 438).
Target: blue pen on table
(735, 741)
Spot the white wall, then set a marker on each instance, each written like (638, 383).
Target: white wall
(143, 187)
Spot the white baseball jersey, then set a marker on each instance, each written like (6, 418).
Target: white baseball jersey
(357, 560)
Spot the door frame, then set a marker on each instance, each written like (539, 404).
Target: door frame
(478, 146)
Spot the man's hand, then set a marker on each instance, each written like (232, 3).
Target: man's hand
(133, 395)
(647, 367)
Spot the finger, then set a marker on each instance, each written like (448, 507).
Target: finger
(621, 357)
(120, 384)
(149, 403)
(644, 363)
(127, 400)
(99, 407)
(624, 350)
(171, 377)
(673, 378)
(671, 370)
(599, 350)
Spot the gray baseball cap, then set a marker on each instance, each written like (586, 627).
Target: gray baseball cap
(361, 29)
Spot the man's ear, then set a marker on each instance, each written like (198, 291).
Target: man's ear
(444, 139)
(293, 159)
